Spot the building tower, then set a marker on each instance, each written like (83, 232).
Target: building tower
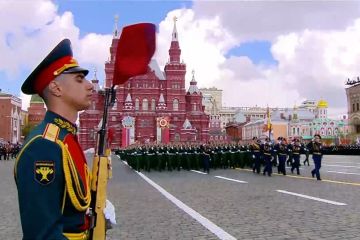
(36, 110)
(353, 105)
(321, 109)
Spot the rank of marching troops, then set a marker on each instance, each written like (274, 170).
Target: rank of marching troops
(256, 155)
(9, 150)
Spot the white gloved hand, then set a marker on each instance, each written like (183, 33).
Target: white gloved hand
(109, 212)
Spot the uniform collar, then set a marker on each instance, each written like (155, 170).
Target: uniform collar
(60, 122)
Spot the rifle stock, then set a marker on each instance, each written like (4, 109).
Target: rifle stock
(101, 171)
(101, 174)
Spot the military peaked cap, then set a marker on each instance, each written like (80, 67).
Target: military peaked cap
(59, 61)
(317, 135)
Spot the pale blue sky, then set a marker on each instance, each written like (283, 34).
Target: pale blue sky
(276, 53)
(94, 16)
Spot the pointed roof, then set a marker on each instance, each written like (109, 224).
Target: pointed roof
(187, 124)
(155, 67)
(193, 85)
(116, 33)
(174, 33)
(36, 99)
(95, 82)
(128, 98)
(161, 99)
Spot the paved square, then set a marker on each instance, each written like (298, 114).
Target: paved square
(242, 204)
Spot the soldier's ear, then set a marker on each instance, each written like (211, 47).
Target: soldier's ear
(54, 88)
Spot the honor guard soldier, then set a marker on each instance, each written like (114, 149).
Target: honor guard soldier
(315, 147)
(296, 150)
(307, 153)
(282, 155)
(290, 153)
(267, 152)
(256, 154)
(205, 152)
(51, 172)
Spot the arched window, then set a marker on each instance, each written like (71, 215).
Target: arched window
(137, 104)
(322, 131)
(330, 132)
(176, 105)
(153, 104)
(145, 104)
(194, 107)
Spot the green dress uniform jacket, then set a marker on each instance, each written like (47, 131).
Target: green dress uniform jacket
(53, 180)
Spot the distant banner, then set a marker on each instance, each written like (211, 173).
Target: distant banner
(128, 131)
(162, 130)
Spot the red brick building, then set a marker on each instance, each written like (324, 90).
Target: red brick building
(10, 118)
(154, 107)
(36, 110)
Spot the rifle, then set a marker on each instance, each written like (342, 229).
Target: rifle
(135, 48)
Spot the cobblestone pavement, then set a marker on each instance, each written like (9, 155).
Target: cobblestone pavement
(252, 210)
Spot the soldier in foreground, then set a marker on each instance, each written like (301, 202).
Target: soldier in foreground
(51, 171)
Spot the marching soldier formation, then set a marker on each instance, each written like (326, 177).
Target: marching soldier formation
(9, 151)
(181, 156)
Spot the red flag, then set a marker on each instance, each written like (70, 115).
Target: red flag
(135, 49)
(111, 133)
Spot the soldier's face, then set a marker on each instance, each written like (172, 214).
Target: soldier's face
(76, 90)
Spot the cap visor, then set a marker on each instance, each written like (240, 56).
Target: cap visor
(76, 70)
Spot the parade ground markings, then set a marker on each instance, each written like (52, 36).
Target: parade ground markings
(307, 178)
(230, 179)
(345, 163)
(212, 227)
(225, 178)
(199, 172)
(257, 211)
(312, 198)
(340, 166)
(346, 173)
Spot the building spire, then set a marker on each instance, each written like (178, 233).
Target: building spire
(95, 71)
(193, 76)
(116, 31)
(174, 33)
(193, 84)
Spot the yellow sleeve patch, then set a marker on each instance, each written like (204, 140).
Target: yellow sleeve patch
(51, 132)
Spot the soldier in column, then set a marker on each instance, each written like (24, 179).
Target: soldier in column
(316, 149)
(205, 153)
(307, 154)
(267, 153)
(290, 153)
(282, 155)
(275, 154)
(255, 149)
(296, 150)
(2, 151)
